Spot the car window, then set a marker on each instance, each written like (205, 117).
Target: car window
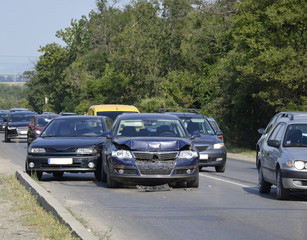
(272, 122)
(75, 128)
(199, 125)
(150, 127)
(109, 123)
(21, 118)
(296, 135)
(278, 132)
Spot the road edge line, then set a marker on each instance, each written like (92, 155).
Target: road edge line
(50, 204)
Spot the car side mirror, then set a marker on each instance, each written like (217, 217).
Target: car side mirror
(195, 135)
(106, 135)
(261, 131)
(32, 135)
(274, 143)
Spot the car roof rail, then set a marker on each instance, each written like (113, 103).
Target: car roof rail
(191, 110)
(298, 115)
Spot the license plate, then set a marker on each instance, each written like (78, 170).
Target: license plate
(203, 156)
(23, 132)
(60, 161)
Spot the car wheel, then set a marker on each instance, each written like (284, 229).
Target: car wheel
(282, 193)
(110, 182)
(263, 186)
(58, 174)
(103, 174)
(194, 183)
(6, 139)
(220, 168)
(200, 168)
(38, 175)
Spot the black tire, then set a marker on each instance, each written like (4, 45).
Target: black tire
(263, 186)
(220, 169)
(97, 172)
(103, 174)
(200, 168)
(194, 183)
(58, 174)
(282, 193)
(110, 182)
(6, 139)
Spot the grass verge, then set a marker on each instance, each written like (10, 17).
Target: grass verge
(244, 151)
(33, 215)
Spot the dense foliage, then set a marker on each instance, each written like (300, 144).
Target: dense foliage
(12, 96)
(238, 61)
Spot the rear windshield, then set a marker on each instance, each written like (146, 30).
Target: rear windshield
(113, 114)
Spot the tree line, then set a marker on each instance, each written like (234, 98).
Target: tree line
(237, 61)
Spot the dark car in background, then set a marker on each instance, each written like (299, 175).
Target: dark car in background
(210, 145)
(68, 144)
(283, 157)
(17, 125)
(149, 149)
(3, 119)
(38, 124)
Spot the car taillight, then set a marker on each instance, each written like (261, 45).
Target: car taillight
(220, 137)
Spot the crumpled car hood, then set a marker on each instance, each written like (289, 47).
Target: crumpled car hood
(160, 144)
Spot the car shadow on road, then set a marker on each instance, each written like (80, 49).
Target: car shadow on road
(294, 196)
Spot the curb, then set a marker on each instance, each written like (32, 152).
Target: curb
(51, 204)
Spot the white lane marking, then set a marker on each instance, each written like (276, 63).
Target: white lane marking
(231, 182)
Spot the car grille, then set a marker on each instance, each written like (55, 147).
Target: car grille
(156, 167)
(62, 150)
(155, 155)
(201, 148)
(22, 129)
(57, 166)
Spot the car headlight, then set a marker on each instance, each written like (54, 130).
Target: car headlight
(299, 165)
(122, 154)
(11, 128)
(38, 132)
(37, 150)
(187, 154)
(218, 145)
(86, 150)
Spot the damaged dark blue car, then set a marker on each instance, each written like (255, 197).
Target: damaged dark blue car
(149, 149)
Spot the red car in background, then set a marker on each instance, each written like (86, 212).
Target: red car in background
(38, 124)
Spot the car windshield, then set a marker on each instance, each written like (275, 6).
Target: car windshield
(150, 127)
(43, 121)
(74, 128)
(3, 116)
(21, 117)
(296, 136)
(198, 125)
(112, 114)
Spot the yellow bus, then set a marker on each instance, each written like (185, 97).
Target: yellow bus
(111, 110)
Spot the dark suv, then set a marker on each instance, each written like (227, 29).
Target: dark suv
(283, 156)
(17, 125)
(211, 148)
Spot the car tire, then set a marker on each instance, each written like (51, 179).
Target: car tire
(103, 174)
(220, 169)
(6, 139)
(58, 174)
(110, 182)
(263, 186)
(282, 193)
(194, 183)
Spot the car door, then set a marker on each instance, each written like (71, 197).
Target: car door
(271, 154)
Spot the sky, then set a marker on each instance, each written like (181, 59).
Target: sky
(26, 25)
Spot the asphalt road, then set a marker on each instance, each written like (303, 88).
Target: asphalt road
(225, 206)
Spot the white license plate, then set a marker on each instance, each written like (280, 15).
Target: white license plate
(23, 132)
(203, 156)
(60, 161)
